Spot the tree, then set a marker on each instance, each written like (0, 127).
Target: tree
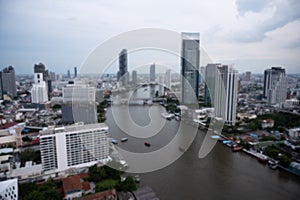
(26, 139)
(284, 160)
(30, 155)
(128, 185)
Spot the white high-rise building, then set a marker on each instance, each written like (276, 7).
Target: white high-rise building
(73, 146)
(275, 85)
(221, 91)
(39, 90)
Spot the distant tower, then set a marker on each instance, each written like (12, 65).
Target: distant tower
(275, 85)
(152, 73)
(190, 59)
(134, 77)
(68, 74)
(168, 79)
(247, 76)
(161, 85)
(123, 71)
(8, 81)
(75, 72)
(202, 74)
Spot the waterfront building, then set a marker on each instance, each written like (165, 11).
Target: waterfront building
(8, 82)
(275, 85)
(74, 146)
(190, 59)
(221, 91)
(123, 75)
(152, 73)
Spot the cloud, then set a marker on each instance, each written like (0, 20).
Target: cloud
(274, 15)
(244, 6)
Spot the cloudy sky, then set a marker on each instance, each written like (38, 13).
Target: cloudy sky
(250, 34)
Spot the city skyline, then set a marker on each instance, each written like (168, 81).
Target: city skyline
(243, 34)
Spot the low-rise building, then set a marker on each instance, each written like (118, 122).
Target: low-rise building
(294, 133)
(267, 123)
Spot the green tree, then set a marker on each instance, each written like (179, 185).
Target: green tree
(128, 185)
(284, 160)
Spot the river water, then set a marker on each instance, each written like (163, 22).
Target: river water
(222, 174)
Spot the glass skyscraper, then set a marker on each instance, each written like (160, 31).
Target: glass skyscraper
(190, 59)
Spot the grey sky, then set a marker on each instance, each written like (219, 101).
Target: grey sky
(251, 34)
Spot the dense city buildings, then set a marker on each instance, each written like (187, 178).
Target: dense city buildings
(123, 75)
(190, 59)
(275, 85)
(8, 82)
(73, 146)
(247, 76)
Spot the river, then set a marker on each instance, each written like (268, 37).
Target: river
(222, 174)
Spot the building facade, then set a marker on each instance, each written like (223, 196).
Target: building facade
(73, 146)
(39, 90)
(123, 75)
(152, 73)
(79, 104)
(275, 85)
(190, 59)
(168, 79)
(221, 91)
(134, 77)
(8, 82)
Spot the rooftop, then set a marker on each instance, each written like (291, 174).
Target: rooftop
(74, 128)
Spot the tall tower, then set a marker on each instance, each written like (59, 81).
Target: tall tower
(275, 85)
(68, 74)
(8, 81)
(134, 77)
(221, 91)
(190, 59)
(152, 73)
(75, 72)
(123, 71)
(40, 68)
(168, 79)
(39, 93)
